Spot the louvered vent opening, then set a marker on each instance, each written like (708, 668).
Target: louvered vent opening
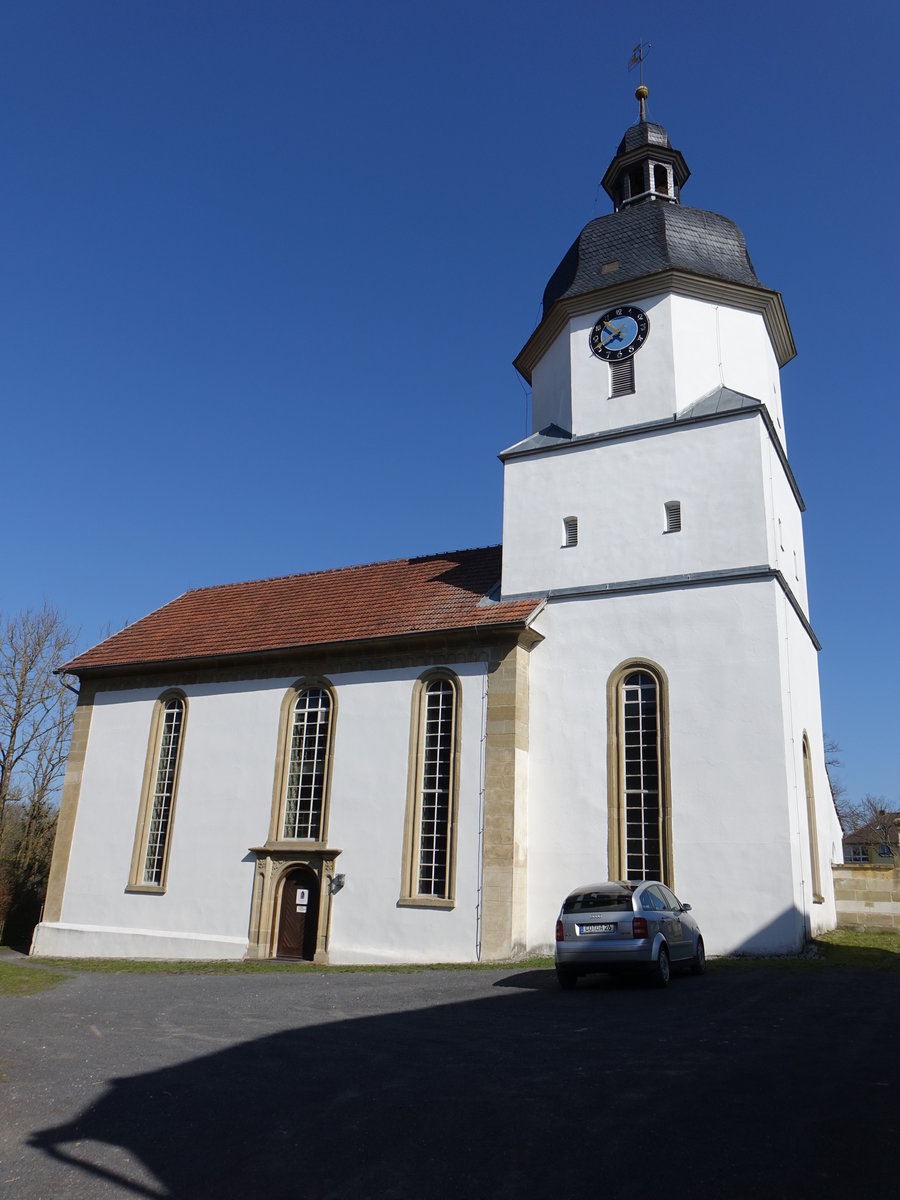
(621, 377)
(673, 516)
(570, 531)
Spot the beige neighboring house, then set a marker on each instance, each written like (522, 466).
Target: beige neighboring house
(877, 842)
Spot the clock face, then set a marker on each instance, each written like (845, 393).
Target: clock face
(619, 333)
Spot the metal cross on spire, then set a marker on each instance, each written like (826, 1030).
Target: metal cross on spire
(638, 54)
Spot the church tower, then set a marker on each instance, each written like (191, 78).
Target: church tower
(674, 703)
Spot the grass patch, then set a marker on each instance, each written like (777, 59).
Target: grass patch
(873, 939)
(869, 950)
(24, 981)
(143, 966)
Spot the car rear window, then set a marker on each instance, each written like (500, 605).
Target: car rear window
(585, 902)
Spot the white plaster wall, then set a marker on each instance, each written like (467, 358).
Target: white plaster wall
(223, 807)
(749, 364)
(368, 805)
(223, 801)
(732, 806)
(697, 369)
(785, 521)
(551, 387)
(718, 346)
(803, 713)
(618, 490)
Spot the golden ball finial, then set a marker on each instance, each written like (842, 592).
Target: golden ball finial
(641, 92)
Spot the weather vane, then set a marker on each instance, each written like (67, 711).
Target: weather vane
(638, 54)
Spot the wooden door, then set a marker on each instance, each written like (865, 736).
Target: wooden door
(298, 919)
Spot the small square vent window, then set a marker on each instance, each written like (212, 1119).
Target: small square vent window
(621, 377)
(673, 516)
(570, 531)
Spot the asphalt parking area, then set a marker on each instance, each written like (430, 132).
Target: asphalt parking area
(749, 1082)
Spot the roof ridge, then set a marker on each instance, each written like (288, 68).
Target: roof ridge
(387, 562)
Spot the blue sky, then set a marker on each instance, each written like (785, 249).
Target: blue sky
(264, 268)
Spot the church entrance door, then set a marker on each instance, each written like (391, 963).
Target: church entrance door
(298, 920)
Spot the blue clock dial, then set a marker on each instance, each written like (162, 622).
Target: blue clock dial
(619, 333)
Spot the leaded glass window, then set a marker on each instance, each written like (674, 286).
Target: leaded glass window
(163, 791)
(435, 789)
(641, 776)
(307, 765)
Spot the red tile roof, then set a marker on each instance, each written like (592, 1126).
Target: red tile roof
(379, 600)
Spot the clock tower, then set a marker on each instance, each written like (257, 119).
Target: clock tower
(654, 505)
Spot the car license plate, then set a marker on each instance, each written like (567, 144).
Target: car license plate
(602, 927)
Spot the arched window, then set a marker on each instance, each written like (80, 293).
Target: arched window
(303, 771)
(306, 767)
(432, 793)
(150, 858)
(816, 878)
(660, 179)
(640, 837)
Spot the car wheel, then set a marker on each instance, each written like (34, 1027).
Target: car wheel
(698, 962)
(662, 971)
(567, 978)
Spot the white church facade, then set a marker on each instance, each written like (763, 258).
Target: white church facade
(415, 761)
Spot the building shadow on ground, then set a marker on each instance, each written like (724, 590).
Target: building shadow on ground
(734, 1084)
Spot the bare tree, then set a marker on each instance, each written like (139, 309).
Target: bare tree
(847, 811)
(35, 725)
(35, 705)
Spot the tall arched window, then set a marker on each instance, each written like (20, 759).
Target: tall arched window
(304, 768)
(432, 793)
(816, 878)
(640, 837)
(150, 858)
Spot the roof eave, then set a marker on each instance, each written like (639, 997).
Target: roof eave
(463, 633)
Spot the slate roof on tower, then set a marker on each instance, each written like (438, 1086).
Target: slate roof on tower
(644, 133)
(403, 598)
(645, 240)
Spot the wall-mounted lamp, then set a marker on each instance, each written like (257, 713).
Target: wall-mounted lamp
(337, 883)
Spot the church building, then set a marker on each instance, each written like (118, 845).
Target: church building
(415, 761)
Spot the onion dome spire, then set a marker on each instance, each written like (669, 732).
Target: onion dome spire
(646, 167)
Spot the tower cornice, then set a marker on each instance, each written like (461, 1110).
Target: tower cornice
(682, 283)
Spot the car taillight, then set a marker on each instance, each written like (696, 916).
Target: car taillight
(560, 935)
(639, 927)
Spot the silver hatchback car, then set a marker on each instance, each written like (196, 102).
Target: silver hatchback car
(618, 926)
